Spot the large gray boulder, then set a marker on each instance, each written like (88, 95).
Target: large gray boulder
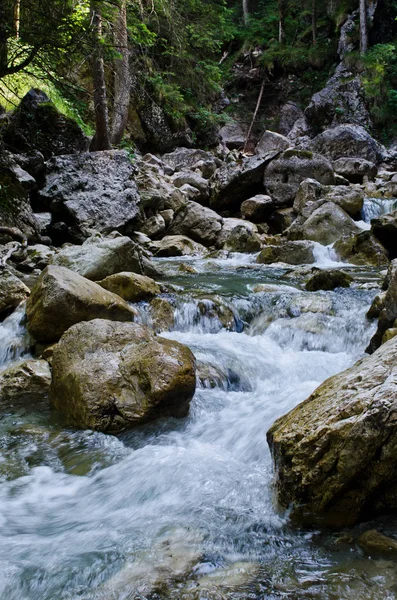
(25, 383)
(284, 175)
(236, 181)
(271, 141)
(189, 158)
(92, 192)
(347, 141)
(355, 169)
(12, 291)
(100, 257)
(199, 223)
(62, 298)
(111, 376)
(325, 225)
(131, 286)
(311, 195)
(238, 235)
(178, 245)
(233, 136)
(335, 454)
(257, 208)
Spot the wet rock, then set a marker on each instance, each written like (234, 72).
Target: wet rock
(131, 286)
(284, 175)
(347, 141)
(239, 236)
(200, 223)
(184, 268)
(100, 257)
(328, 279)
(178, 245)
(355, 169)
(313, 303)
(376, 544)
(26, 383)
(154, 227)
(235, 181)
(385, 229)
(112, 376)
(162, 315)
(361, 249)
(12, 291)
(257, 208)
(389, 334)
(292, 253)
(224, 582)
(37, 257)
(311, 195)
(271, 141)
(62, 298)
(335, 453)
(92, 192)
(388, 305)
(377, 306)
(325, 225)
(37, 125)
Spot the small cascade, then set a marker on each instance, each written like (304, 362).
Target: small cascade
(325, 256)
(375, 207)
(14, 338)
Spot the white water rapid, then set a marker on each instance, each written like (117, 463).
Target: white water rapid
(90, 516)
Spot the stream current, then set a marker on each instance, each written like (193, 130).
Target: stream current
(89, 516)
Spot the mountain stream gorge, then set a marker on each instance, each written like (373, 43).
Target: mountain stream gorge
(184, 509)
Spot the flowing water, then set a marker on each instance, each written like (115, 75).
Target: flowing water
(183, 509)
(376, 207)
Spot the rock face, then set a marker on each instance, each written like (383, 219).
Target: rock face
(130, 286)
(198, 222)
(347, 141)
(178, 245)
(111, 376)
(26, 383)
(62, 298)
(326, 225)
(12, 291)
(385, 229)
(292, 253)
(235, 181)
(92, 192)
(328, 279)
(15, 208)
(37, 125)
(284, 175)
(335, 454)
(100, 257)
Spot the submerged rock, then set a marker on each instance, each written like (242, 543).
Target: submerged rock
(26, 383)
(111, 376)
(130, 286)
(328, 279)
(376, 544)
(62, 298)
(334, 454)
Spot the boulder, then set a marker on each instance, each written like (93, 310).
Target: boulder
(156, 192)
(154, 226)
(355, 169)
(62, 298)
(178, 245)
(198, 222)
(160, 135)
(238, 235)
(257, 208)
(233, 136)
(292, 253)
(280, 220)
(26, 383)
(194, 180)
(289, 114)
(388, 308)
(161, 315)
(271, 141)
(111, 376)
(236, 181)
(131, 286)
(183, 159)
(100, 257)
(347, 141)
(15, 208)
(92, 192)
(328, 279)
(37, 256)
(326, 225)
(384, 229)
(335, 454)
(284, 175)
(36, 125)
(12, 292)
(361, 249)
(311, 195)
(377, 545)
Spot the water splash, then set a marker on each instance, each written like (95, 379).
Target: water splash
(14, 339)
(375, 207)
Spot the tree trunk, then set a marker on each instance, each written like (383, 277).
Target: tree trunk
(101, 139)
(17, 18)
(122, 78)
(363, 27)
(314, 21)
(281, 21)
(246, 11)
(3, 38)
